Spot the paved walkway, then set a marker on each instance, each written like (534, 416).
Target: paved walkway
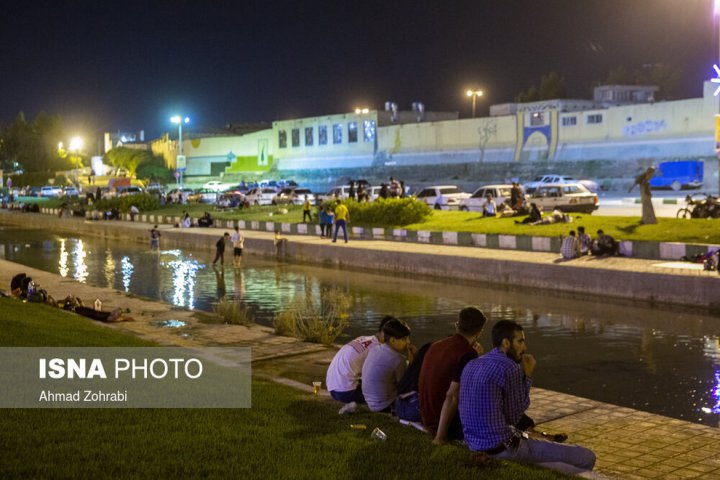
(629, 443)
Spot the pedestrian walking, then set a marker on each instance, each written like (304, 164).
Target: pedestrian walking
(342, 216)
(307, 207)
(220, 249)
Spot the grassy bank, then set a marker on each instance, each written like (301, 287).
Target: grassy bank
(286, 433)
(622, 228)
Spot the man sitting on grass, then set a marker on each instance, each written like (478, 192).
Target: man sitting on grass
(385, 366)
(343, 375)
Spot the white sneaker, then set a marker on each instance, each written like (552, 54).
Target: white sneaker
(348, 408)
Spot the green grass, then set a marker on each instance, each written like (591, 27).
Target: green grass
(621, 228)
(286, 433)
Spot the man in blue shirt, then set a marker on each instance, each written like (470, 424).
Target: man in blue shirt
(494, 395)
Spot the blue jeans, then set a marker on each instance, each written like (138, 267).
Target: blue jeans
(349, 396)
(408, 408)
(571, 459)
(338, 224)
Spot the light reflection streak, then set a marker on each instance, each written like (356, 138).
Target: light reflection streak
(63, 263)
(109, 268)
(81, 270)
(126, 267)
(184, 273)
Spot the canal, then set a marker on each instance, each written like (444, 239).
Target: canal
(664, 361)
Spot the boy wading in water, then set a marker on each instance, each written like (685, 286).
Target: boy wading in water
(220, 249)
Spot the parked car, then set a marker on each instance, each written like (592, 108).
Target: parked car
(566, 197)
(203, 195)
(125, 191)
(451, 196)
(552, 178)
(70, 192)
(295, 196)
(339, 191)
(50, 191)
(269, 184)
(475, 202)
(155, 188)
(186, 192)
(261, 196)
(217, 185)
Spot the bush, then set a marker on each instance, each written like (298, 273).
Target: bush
(154, 172)
(315, 319)
(387, 212)
(144, 202)
(233, 312)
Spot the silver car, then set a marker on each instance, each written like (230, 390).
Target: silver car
(566, 197)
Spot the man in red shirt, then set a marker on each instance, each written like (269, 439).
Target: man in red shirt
(439, 386)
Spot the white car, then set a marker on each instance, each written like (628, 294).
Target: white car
(339, 191)
(296, 196)
(566, 197)
(450, 196)
(261, 196)
(51, 191)
(475, 202)
(554, 178)
(217, 186)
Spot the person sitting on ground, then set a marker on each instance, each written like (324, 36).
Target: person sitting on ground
(517, 197)
(343, 378)
(206, 220)
(489, 207)
(534, 217)
(407, 404)
(186, 221)
(570, 247)
(441, 372)
(505, 210)
(494, 395)
(604, 245)
(385, 366)
(585, 241)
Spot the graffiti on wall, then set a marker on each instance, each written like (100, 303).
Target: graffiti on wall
(644, 128)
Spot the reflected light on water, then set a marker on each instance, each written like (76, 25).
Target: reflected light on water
(126, 267)
(109, 267)
(63, 263)
(79, 254)
(184, 273)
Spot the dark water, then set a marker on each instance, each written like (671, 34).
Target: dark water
(665, 362)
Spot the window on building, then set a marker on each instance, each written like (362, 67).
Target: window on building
(282, 139)
(295, 137)
(369, 130)
(569, 121)
(322, 135)
(594, 118)
(337, 133)
(309, 136)
(352, 132)
(537, 119)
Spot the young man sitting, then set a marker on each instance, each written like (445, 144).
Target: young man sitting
(385, 366)
(343, 375)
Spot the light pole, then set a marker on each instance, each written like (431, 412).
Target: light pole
(180, 160)
(76, 144)
(716, 16)
(475, 94)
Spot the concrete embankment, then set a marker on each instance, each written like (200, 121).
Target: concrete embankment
(627, 278)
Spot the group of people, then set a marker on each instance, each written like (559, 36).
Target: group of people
(237, 240)
(455, 391)
(580, 244)
(339, 217)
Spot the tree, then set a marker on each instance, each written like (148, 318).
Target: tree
(130, 159)
(551, 86)
(31, 145)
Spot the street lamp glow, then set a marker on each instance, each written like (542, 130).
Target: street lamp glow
(176, 119)
(76, 143)
(362, 110)
(474, 94)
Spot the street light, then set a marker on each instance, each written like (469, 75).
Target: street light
(76, 144)
(474, 94)
(180, 160)
(362, 110)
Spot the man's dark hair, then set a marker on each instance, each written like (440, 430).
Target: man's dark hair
(581, 229)
(384, 320)
(504, 329)
(600, 232)
(396, 329)
(471, 321)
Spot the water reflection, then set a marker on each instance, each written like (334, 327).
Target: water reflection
(666, 362)
(126, 267)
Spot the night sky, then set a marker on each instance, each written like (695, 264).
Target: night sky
(106, 65)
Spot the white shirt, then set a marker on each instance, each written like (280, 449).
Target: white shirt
(237, 239)
(344, 372)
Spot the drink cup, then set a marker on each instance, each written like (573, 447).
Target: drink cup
(378, 434)
(316, 387)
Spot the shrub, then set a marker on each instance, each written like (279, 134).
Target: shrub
(144, 202)
(318, 319)
(233, 312)
(386, 212)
